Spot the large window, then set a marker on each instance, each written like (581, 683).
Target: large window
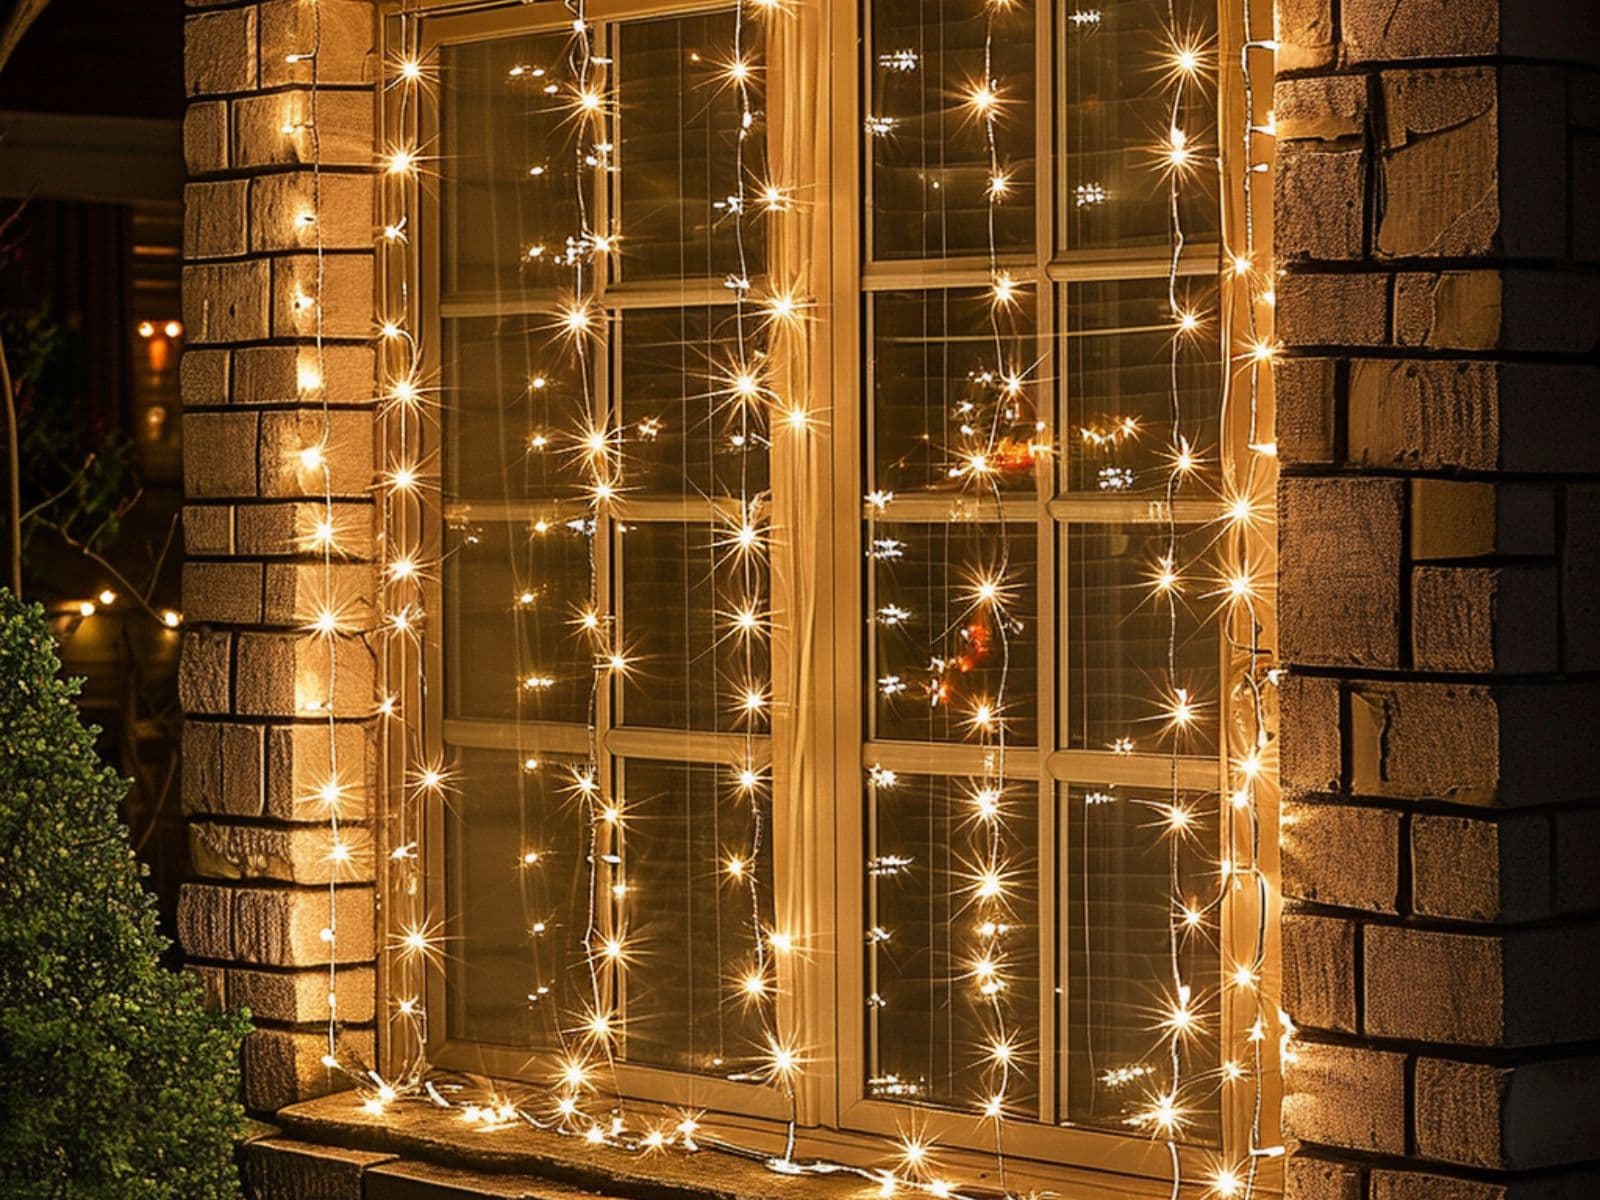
(845, 739)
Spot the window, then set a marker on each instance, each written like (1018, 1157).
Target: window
(835, 722)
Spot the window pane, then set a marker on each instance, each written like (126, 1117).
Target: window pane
(939, 654)
(517, 922)
(511, 598)
(939, 395)
(1118, 374)
(681, 149)
(1117, 108)
(1117, 639)
(500, 126)
(685, 433)
(1117, 907)
(930, 158)
(681, 586)
(692, 924)
(930, 1023)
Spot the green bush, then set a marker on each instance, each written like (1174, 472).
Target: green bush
(115, 1081)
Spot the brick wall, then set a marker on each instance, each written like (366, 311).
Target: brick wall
(1439, 432)
(254, 391)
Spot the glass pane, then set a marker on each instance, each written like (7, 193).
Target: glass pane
(940, 392)
(686, 433)
(682, 585)
(517, 882)
(931, 165)
(940, 654)
(1118, 374)
(682, 151)
(1119, 689)
(507, 163)
(1118, 909)
(513, 411)
(950, 972)
(512, 595)
(692, 923)
(1117, 105)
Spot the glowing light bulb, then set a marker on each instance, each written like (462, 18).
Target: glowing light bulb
(311, 458)
(402, 162)
(983, 100)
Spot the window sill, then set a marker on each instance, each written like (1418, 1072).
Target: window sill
(329, 1147)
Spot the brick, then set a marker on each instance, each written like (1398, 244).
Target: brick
(1306, 422)
(219, 454)
(344, 440)
(1585, 182)
(1472, 869)
(1485, 619)
(1524, 1117)
(213, 983)
(205, 137)
(1346, 1096)
(282, 1169)
(284, 211)
(341, 31)
(1456, 519)
(203, 377)
(1439, 187)
(297, 374)
(205, 920)
(226, 592)
(1319, 972)
(299, 854)
(296, 592)
(215, 219)
(288, 674)
(1333, 310)
(208, 529)
(226, 302)
(282, 927)
(1339, 571)
(1327, 108)
(1305, 33)
(219, 52)
(1449, 310)
(222, 768)
(1575, 847)
(301, 997)
(201, 784)
(1390, 30)
(346, 295)
(283, 1067)
(275, 530)
(1341, 854)
(1580, 576)
(300, 763)
(1308, 1178)
(1426, 1185)
(205, 671)
(275, 130)
(1319, 201)
(1311, 749)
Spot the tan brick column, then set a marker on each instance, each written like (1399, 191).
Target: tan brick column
(256, 393)
(1439, 599)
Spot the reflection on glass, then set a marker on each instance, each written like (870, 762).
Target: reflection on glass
(517, 887)
(931, 168)
(944, 390)
(929, 1024)
(1118, 628)
(938, 654)
(679, 124)
(681, 586)
(1117, 108)
(1118, 883)
(694, 922)
(1118, 377)
(508, 170)
(686, 430)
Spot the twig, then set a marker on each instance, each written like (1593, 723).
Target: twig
(100, 559)
(14, 477)
(71, 483)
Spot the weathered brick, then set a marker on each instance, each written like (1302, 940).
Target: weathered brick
(1305, 33)
(219, 52)
(1304, 388)
(205, 920)
(1580, 575)
(1455, 519)
(226, 302)
(283, 1067)
(1325, 108)
(213, 983)
(219, 454)
(301, 762)
(215, 220)
(1390, 1184)
(343, 459)
(1341, 854)
(341, 31)
(1346, 1096)
(1484, 619)
(205, 671)
(301, 997)
(1473, 869)
(1319, 198)
(1533, 1115)
(226, 592)
(298, 374)
(1333, 310)
(298, 591)
(281, 1169)
(284, 211)
(1310, 1178)
(297, 854)
(1390, 30)
(205, 137)
(291, 528)
(1575, 846)
(345, 295)
(283, 927)
(1319, 972)
(275, 130)
(288, 674)
(222, 768)
(208, 529)
(1536, 311)
(1339, 571)
(1310, 753)
(203, 377)
(1439, 189)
